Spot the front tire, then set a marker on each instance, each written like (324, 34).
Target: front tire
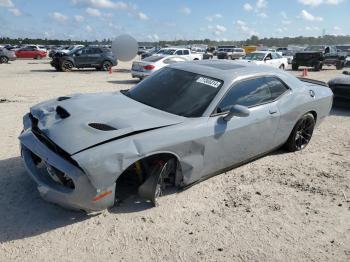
(161, 176)
(66, 66)
(282, 67)
(301, 134)
(37, 57)
(4, 60)
(295, 67)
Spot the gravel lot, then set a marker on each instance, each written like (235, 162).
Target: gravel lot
(282, 207)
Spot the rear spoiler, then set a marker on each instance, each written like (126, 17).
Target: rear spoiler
(312, 81)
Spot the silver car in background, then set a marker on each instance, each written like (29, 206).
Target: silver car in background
(149, 65)
(6, 56)
(183, 124)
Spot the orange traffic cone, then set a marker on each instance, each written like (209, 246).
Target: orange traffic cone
(110, 70)
(305, 72)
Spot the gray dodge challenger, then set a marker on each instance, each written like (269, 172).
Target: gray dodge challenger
(185, 123)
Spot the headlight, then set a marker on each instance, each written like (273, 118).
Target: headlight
(27, 123)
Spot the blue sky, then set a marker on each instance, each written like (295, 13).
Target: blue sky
(168, 20)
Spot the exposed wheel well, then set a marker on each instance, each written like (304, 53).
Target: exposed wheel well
(137, 173)
(314, 114)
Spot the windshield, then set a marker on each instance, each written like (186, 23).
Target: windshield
(73, 50)
(344, 48)
(315, 48)
(177, 92)
(254, 56)
(152, 58)
(166, 51)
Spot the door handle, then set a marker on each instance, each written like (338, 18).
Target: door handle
(272, 111)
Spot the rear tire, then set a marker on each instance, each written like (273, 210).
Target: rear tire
(339, 65)
(318, 67)
(301, 134)
(4, 60)
(67, 66)
(295, 67)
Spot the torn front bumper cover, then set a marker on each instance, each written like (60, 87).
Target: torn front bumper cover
(82, 195)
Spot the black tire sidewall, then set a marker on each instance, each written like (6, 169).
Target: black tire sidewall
(5, 61)
(103, 65)
(64, 69)
(290, 145)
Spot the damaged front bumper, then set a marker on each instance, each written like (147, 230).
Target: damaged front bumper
(48, 169)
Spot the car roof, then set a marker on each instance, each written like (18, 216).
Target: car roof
(224, 70)
(262, 52)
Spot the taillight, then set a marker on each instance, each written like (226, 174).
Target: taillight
(149, 67)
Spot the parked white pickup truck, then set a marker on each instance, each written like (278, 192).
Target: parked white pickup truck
(273, 59)
(183, 52)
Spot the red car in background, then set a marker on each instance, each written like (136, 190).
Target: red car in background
(30, 52)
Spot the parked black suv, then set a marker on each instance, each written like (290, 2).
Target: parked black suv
(97, 57)
(318, 55)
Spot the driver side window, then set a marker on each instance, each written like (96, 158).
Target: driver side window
(178, 52)
(252, 92)
(83, 51)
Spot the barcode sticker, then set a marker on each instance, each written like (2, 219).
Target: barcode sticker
(208, 81)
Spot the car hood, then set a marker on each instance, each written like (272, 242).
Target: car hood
(78, 122)
(257, 62)
(340, 80)
(310, 52)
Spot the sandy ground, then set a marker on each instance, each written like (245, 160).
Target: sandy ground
(282, 207)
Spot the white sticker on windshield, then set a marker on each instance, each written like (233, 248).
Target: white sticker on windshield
(208, 81)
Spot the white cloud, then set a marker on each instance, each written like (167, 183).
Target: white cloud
(319, 2)
(261, 4)
(242, 26)
(218, 29)
(61, 18)
(312, 28)
(309, 17)
(284, 15)
(311, 2)
(262, 15)
(88, 29)
(212, 17)
(336, 28)
(286, 22)
(154, 37)
(248, 7)
(78, 18)
(333, 2)
(142, 16)
(15, 11)
(6, 3)
(11, 7)
(101, 4)
(92, 11)
(185, 11)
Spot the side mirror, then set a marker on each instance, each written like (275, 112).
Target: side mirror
(237, 110)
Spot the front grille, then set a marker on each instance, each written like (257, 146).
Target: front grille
(51, 173)
(307, 56)
(50, 144)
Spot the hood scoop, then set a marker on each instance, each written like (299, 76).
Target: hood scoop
(63, 113)
(61, 98)
(102, 127)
